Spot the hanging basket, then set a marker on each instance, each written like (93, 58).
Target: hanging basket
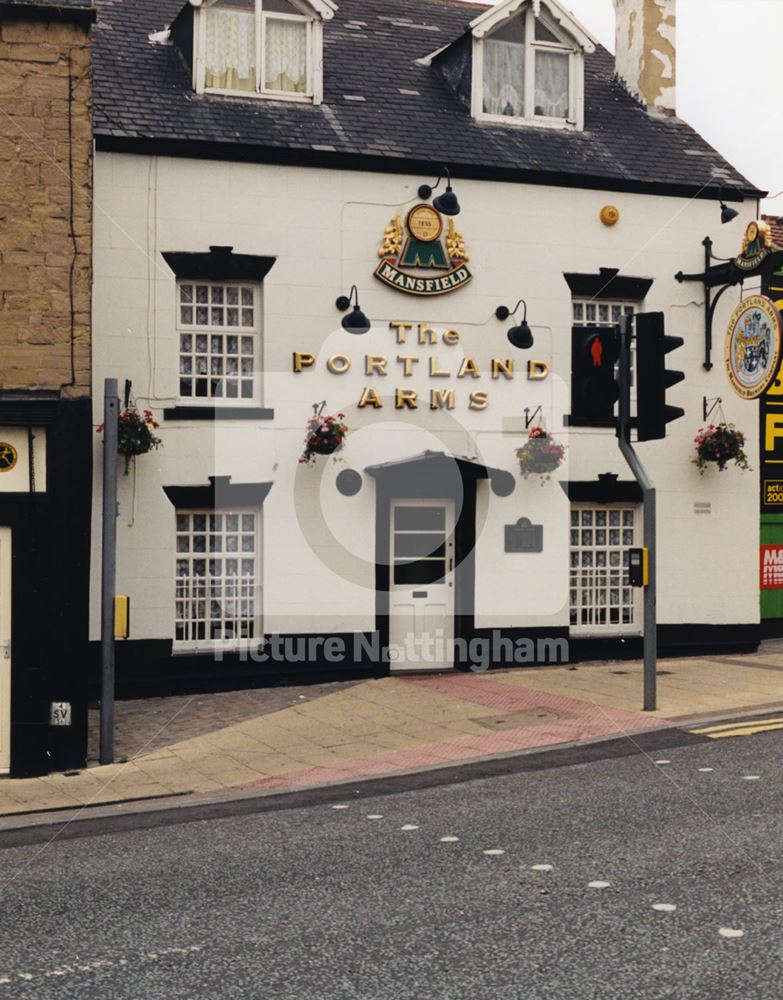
(720, 444)
(325, 435)
(135, 434)
(541, 454)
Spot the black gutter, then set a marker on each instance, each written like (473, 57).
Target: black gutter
(334, 160)
(48, 12)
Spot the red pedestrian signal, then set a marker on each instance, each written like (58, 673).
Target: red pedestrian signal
(594, 385)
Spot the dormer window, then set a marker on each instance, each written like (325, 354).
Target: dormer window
(528, 65)
(267, 48)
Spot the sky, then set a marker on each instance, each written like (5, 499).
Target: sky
(727, 78)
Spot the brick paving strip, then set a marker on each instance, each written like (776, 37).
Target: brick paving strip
(144, 725)
(575, 721)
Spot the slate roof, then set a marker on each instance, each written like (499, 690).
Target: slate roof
(383, 111)
(64, 4)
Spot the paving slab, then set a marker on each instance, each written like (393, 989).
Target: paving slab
(288, 740)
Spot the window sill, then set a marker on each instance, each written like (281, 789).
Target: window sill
(262, 95)
(218, 413)
(211, 652)
(590, 424)
(539, 121)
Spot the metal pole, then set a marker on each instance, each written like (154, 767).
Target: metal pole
(111, 407)
(648, 499)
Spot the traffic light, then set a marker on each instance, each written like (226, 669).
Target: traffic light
(594, 386)
(653, 378)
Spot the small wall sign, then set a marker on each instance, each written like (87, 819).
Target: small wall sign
(412, 252)
(60, 713)
(771, 567)
(8, 456)
(524, 536)
(753, 346)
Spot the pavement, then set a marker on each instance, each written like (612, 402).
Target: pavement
(278, 740)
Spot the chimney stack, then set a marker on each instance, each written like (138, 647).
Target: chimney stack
(645, 59)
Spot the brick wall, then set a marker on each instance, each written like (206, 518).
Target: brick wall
(45, 205)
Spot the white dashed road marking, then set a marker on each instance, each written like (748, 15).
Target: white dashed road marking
(449, 840)
(598, 885)
(731, 932)
(494, 851)
(375, 816)
(340, 806)
(664, 907)
(99, 963)
(706, 769)
(409, 826)
(751, 777)
(542, 868)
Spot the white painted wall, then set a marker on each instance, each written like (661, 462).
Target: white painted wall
(324, 228)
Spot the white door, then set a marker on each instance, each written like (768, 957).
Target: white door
(421, 585)
(5, 650)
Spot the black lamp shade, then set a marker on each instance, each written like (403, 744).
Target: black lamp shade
(727, 214)
(447, 203)
(356, 321)
(521, 336)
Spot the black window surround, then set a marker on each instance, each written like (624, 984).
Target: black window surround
(603, 490)
(219, 264)
(220, 494)
(608, 284)
(218, 413)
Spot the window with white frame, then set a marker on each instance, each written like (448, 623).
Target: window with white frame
(527, 69)
(270, 48)
(219, 333)
(218, 594)
(600, 312)
(602, 599)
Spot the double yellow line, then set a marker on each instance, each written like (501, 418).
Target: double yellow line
(744, 728)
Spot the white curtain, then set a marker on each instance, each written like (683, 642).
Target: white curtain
(286, 56)
(504, 78)
(551, 85)
(231, 49)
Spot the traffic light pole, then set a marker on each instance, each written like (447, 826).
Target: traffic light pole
(111, 406)
(648, 498)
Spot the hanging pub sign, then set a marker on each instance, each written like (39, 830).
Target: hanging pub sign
(416, 259)
(756, 246)
(753, 346)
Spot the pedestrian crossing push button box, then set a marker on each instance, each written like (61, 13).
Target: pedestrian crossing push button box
(121, 616)
(638, 568)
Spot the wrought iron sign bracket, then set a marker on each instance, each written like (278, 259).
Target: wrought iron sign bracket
(723, 276)
(530, 417)
(710, 405)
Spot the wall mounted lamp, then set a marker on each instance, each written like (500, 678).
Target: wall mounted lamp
(355, 322)
(520, 336)
(445, 203)
(726, 213)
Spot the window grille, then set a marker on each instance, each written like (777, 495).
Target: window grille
(601, 597)
(219, 339)
(217, 578)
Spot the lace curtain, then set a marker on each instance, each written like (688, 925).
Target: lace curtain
(285, 65)
(551, 85)
(504, 78)
(231, 49)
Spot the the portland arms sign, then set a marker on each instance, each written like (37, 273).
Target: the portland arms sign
(415, 257)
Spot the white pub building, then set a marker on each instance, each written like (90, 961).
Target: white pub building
(264, 256)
